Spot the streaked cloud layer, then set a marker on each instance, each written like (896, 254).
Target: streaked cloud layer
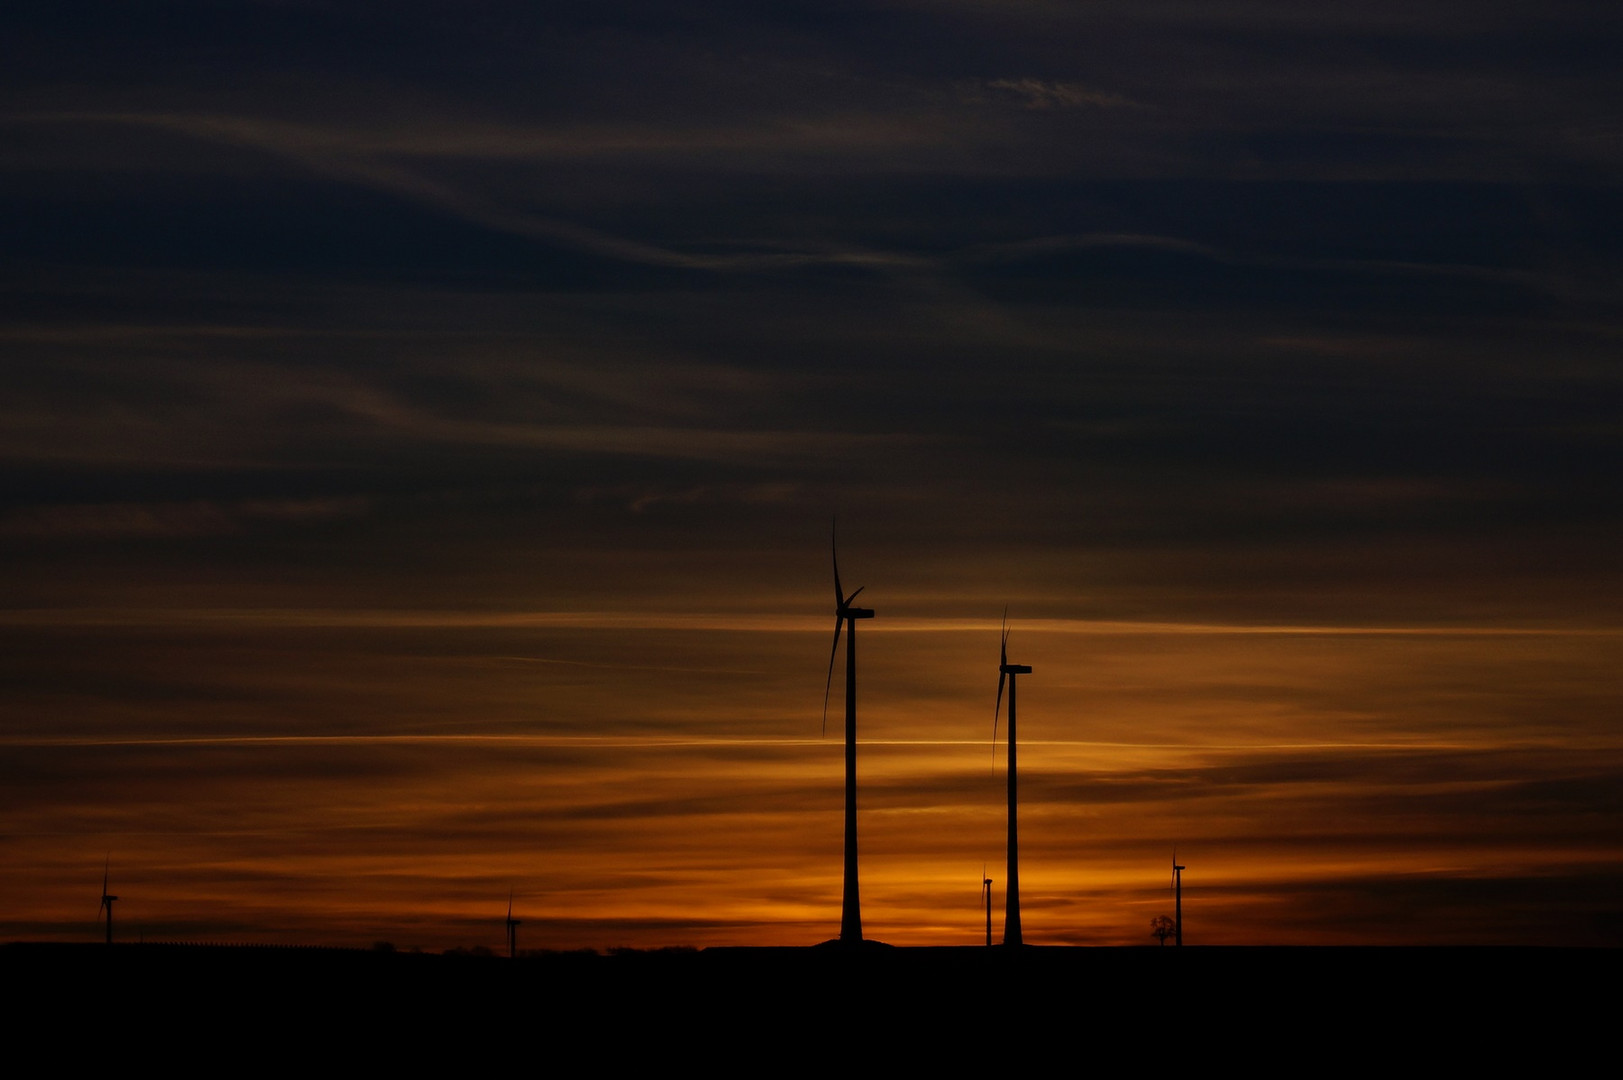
(301, 780)
(419, 433)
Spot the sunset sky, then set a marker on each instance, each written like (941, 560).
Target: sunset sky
(421, 423)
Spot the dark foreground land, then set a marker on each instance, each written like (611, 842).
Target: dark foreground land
(959, 1006)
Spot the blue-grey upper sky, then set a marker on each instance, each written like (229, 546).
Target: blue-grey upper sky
(1129, 276)
(1240, 285)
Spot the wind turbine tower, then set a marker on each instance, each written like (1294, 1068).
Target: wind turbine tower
(1011, 909)
(107, 903)
(986, 895)
(1177, 885)
(851, 905)
(512, 929)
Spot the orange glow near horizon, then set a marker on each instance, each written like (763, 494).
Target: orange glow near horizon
(650, 787)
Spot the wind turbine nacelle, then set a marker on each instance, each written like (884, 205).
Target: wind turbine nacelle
(857, 613)
(1014, 669)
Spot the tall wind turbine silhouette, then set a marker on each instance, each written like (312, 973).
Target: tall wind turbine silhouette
(986, 895)
(1011, 893)
(851, 905)
(512, 929)
(106, 901)
(1177, 900)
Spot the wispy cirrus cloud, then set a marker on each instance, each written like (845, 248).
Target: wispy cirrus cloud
(1051, 94)
(132, 520)
(385, 164)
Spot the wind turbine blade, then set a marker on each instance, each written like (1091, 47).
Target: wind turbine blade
(829, 686)
(834, 549)
(997, 709)
(853, 596)
(1003, 657)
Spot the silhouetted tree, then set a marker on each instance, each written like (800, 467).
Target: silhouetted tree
(1162, 927)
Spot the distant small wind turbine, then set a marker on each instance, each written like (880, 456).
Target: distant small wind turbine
(851, 904)
(1177, 902)
(1006, 670)
(512, 928)
(106, 901)
(986, 895)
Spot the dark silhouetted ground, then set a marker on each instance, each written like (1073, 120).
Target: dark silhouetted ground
(781, 1009)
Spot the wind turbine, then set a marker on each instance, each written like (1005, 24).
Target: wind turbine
(512, 928)
(1177, 902)
(986, 895)
(851, 905)
(106, 902)
(1006, 670)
